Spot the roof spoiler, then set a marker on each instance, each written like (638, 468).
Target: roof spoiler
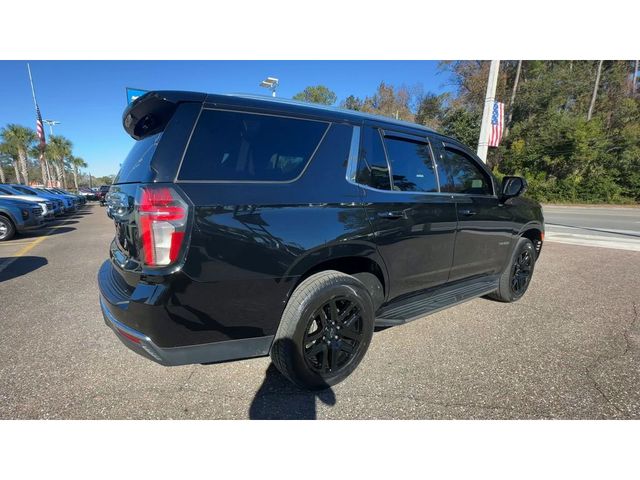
(150, 113)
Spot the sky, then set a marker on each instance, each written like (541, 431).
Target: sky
(88, 97)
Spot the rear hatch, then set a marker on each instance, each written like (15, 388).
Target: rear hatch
(151, 215)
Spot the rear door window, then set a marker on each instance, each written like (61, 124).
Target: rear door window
(411, 165)
(240, 146)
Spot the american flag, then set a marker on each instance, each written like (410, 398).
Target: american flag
(40, 128)
(497, 124)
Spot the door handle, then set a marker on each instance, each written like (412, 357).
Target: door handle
(391, 215)
(467, 212)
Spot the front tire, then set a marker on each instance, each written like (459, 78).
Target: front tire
(7, 229)
(325, 331)
(516, 278)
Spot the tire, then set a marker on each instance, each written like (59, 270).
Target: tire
(7, 229)
(507, 291)
(310, 350)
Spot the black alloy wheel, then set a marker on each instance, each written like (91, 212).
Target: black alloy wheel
(333, 335)
(521, 272)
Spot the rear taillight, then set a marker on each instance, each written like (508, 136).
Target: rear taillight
(163, 220)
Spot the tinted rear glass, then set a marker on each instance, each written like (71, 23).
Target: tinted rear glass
(250, 147)
(137, 166)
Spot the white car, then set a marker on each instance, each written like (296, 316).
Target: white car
(48, 207)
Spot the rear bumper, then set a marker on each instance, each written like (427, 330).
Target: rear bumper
(126, 316)
(205, 353)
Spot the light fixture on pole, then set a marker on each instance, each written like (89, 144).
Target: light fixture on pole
(271, 83)
(51, 123)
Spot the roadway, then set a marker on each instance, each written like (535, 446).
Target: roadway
(609, 227)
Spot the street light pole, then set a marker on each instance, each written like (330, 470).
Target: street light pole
(51, 123)
(485, 128)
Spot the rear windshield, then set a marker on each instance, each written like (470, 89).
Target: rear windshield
(137, 166)
(238, 146)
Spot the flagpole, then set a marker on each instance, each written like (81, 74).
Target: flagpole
(33, 90)
(44, 165)
(485, 128)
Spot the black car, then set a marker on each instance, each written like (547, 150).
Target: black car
(248, 226)
(102, 193)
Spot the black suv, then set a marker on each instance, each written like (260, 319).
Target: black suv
(248, 226)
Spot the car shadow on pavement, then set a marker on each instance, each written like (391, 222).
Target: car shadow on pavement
(279, 399)
(20, 266)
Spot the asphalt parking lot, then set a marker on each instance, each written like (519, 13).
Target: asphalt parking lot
(569, 349)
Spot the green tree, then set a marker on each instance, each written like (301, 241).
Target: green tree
(317, 94)
(58, 150)
(352, 103)
(76, 164)
(431, 110)
(390, 102)
(18, 140)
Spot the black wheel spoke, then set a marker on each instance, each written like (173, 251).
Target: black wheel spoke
(316, 349)
(334, 311)
(334, 359)
(345, 347)
(325, 357)
(312, 337)
(345, 314)
(350, 334)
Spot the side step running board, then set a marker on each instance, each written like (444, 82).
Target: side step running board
(420, 305)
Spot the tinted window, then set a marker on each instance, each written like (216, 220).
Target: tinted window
(372, 165)
(245, 146)
(411, 166)
(136, 167)
(5, 191)
(25, 191)
(459, 174)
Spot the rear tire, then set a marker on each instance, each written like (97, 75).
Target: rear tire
(325, 331)
(7, 229)
(516, 278)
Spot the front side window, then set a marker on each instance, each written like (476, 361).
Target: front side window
(239, 146)
(459, 174)
(411, 165)
(372, 164)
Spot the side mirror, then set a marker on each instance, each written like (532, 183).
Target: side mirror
(513, 187)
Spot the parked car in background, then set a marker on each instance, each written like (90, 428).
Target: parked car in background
(102, 193)
(66, 196)
(17, 216)
(88, 193)
(79, 198)
(67, 203)
(50, 208)
(248, 226)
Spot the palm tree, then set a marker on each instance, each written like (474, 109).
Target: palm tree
(58, 150)
(19, 139)
(77, 163)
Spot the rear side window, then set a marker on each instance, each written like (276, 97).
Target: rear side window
(411, 165)
(372, 165)
(458, 173)
(137, 166)
(4, 191)
(239, 146)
